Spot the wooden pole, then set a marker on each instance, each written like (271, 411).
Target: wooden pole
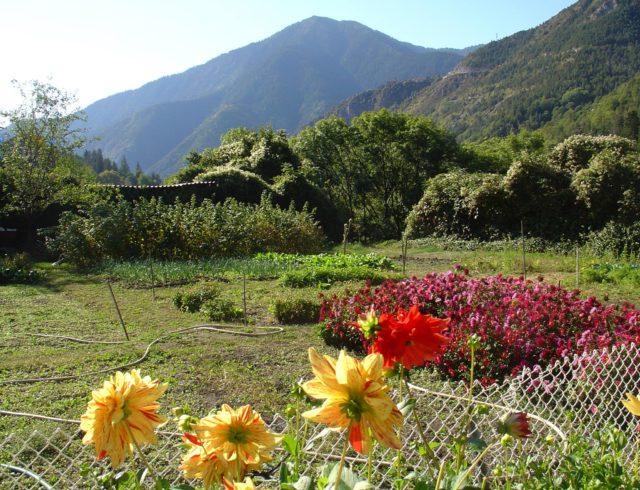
(115, 304)
(244, 296)
(345, 236)
(577, 267)
(524, 260)
(153, 280)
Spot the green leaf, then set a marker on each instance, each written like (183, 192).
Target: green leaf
(291, 445)
(476, 444)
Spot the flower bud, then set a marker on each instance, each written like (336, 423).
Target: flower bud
(515, 424)
(369, 324)
(506, 441)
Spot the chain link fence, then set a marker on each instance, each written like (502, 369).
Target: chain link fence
(579, 395)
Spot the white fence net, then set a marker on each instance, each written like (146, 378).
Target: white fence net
(579, 395)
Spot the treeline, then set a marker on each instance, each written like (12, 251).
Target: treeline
(109, 172)
(393, 173)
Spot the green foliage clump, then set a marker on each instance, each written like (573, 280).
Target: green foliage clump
(609, 187)
(232, 182)
(575, 152)
(295, 187)
(586, 182)
(370, 260)
(221, 310)
(191, 300)
(613, 273)
(616, 239)
(459, 203)
(18, 269)
(120, 229)
(295, 311)
(324, 276)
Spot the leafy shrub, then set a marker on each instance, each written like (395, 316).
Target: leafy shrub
(153, 229)
(324, 276)
(602, 188)
(288, 311)
(520, 323)
(463, 204)
(221, 310)
(541, 195)
(575, 152)
(296, 188)
(17, 269)
(616, 239)
(370, 260)
(234, 183)
(191, 300)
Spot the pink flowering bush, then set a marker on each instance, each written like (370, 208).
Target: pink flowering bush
(520, 323)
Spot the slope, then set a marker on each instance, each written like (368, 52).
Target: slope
(534, 76)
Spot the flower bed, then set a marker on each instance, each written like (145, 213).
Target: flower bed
(520, 323)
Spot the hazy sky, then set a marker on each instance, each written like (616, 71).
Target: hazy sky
(98, 48)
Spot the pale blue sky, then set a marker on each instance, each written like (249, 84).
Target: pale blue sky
(97, 48)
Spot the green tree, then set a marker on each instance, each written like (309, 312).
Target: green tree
(37, 163)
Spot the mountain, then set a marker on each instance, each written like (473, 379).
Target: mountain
(553, 72)
(288, 80)
(389, 96)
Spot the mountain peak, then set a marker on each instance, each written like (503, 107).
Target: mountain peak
(287, 80)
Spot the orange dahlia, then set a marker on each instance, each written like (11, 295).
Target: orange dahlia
(246, 485)
(200, 465)
(355, 398)
(124, 410)
(239, 438)
(410, 338)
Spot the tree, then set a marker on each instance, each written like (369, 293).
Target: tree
(37, 152)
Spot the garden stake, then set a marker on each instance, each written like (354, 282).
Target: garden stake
(577, 266)
(524, 262)
(345, 236)
(244, 297)
(115, 303)
(404, 252)
(153, 280)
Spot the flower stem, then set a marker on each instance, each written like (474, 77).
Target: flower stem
(637, 464)
(475, 463)
(140, 453)
(418, 422)
(369, 454)
(467, 419)
(342, 458)
(399, 452)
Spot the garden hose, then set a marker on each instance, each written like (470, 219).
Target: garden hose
(30, 474)
(227, 329)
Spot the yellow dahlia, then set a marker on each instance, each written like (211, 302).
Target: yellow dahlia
(355, 398)
(632, 404)
(240, 439)
(200, 465)
(246, 485)
(124, 408)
